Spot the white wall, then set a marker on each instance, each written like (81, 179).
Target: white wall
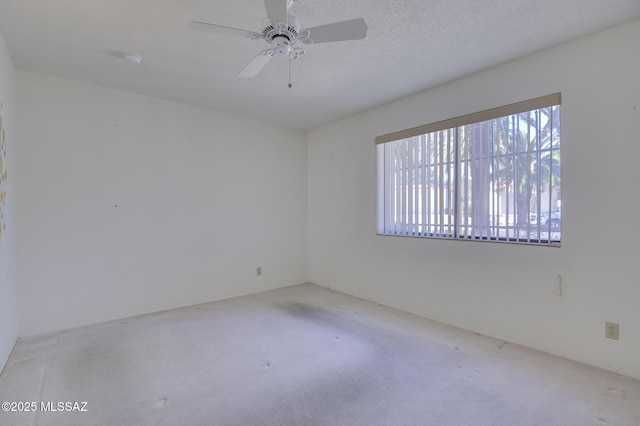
(202, 199)
(507, 291)
(8, 295)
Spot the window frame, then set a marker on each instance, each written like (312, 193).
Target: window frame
(454, 124)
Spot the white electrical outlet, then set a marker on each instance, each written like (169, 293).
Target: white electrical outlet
(612, 330)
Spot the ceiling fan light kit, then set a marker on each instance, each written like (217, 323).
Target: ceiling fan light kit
(282, 31)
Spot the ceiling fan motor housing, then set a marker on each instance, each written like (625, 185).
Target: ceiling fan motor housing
(281, 35)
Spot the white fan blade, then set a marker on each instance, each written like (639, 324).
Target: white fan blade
(276, 10)
(221, 29)
(255, 66)
(353, 29)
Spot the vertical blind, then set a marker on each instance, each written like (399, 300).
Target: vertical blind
(492, 175)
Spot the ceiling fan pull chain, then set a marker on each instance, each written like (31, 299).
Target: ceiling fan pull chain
(290, 85)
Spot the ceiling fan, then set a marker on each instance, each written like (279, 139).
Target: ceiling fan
(282, 31)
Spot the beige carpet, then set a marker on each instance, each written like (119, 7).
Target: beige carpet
(302, 355)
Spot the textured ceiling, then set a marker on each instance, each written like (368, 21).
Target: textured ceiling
(411, 45)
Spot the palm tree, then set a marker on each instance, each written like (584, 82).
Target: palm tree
(529, 161)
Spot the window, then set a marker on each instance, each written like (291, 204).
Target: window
(490, 176)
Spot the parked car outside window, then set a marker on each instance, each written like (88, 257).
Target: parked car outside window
(554, 216)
